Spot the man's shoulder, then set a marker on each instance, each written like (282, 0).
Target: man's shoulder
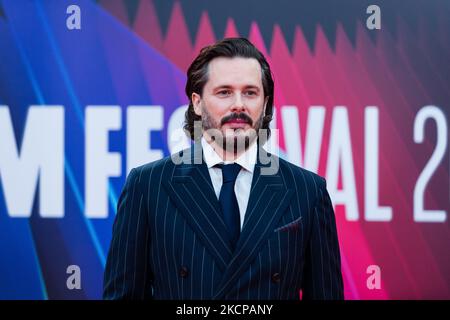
(163, 165)
(154, 167)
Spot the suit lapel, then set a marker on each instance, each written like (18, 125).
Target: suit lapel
(190, 188)
(269, 197)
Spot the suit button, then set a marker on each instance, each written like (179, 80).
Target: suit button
(276, 277)
(184, 272)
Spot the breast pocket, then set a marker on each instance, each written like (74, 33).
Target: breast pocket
(293, 226)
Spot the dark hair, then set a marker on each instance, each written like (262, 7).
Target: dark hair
(197, 76)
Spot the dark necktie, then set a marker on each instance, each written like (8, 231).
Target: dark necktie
(228, 201)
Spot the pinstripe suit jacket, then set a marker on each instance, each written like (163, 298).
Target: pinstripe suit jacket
(170, 241)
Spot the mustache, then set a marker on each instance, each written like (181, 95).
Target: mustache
(235, 116)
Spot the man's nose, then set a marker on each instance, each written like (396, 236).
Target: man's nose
(238, 104)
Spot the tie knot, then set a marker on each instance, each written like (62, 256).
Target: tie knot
(229, 171)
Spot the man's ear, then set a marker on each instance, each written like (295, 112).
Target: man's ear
(196, 99)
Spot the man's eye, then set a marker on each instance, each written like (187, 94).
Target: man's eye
(250, 93)
(224, 92)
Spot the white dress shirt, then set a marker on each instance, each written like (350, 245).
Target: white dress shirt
(243, 183)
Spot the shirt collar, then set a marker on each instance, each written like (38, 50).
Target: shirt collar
(246, 160)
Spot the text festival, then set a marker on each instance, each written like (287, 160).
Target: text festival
(40, 156)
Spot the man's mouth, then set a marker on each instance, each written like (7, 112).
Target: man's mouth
(237, 123)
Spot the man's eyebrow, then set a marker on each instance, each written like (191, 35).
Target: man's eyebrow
(227, 86)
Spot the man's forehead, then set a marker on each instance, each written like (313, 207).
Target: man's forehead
(236, 69)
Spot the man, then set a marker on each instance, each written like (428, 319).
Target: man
(225, 219)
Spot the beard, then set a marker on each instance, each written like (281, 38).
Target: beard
(231, 140)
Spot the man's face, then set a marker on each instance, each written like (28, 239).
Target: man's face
(232, 104)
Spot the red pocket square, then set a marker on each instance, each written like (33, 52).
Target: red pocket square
(291, 226)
